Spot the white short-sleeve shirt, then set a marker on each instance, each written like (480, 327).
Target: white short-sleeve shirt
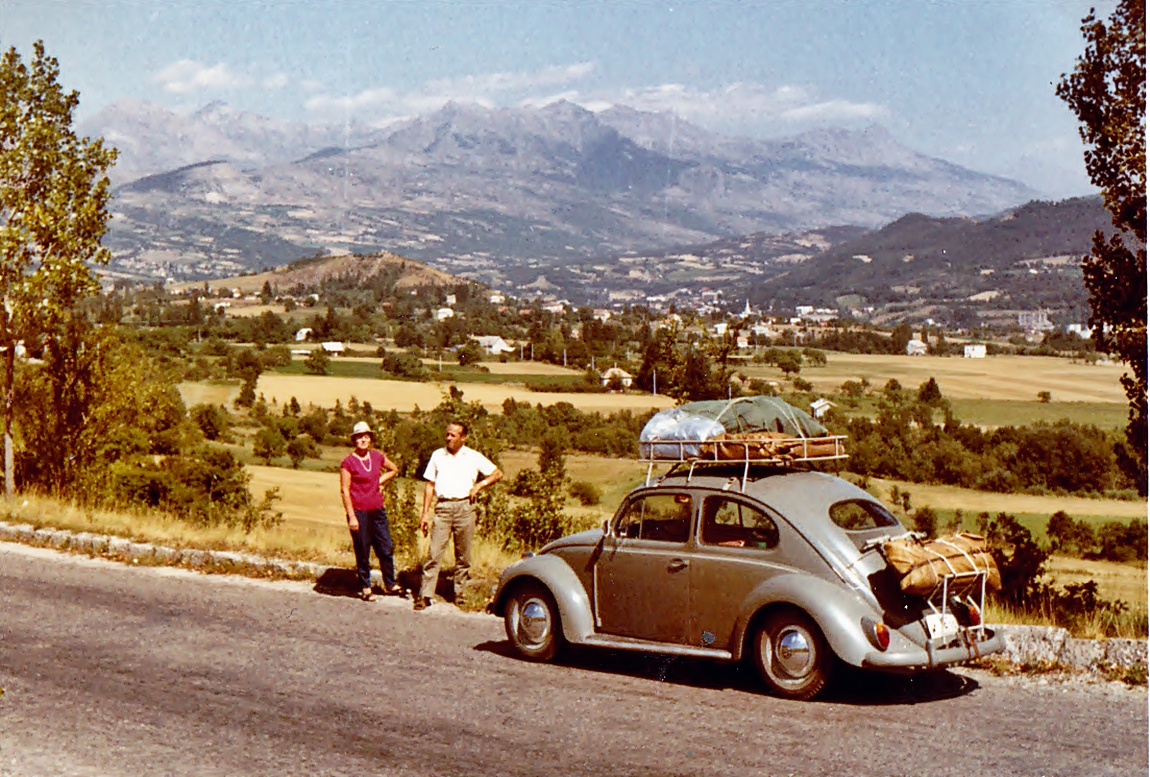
(454, 475)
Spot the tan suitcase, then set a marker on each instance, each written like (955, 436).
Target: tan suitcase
(922, 565)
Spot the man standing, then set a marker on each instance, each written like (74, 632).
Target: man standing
(452, 477)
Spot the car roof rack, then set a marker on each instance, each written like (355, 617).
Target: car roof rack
(760, 451)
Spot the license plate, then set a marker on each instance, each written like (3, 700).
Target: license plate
(940, 625)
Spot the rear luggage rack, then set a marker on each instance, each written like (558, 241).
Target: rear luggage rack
(953, 590)
(760, 451)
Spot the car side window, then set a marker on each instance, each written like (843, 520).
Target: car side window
(735, 524)
(858, 515)
(660, 517)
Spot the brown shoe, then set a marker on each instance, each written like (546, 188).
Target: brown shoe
(367, 595)
(421, 603)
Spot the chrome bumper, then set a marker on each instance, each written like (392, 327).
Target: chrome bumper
(923, 658)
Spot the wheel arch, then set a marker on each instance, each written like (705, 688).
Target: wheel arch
(553, 573)
(836, 611)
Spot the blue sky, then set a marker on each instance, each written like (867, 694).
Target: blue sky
(970, 81)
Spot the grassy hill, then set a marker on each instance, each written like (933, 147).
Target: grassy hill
(312, 271)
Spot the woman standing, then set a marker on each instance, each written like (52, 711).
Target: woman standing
(361, 477)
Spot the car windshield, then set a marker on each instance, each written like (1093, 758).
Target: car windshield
(859, 515)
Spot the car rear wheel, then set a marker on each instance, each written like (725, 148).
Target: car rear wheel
(791, 655)
(531, 620)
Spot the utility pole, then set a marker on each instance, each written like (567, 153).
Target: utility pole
(654, 381)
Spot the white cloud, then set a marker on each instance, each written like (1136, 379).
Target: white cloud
(187, 75)
(383, 104)
(278, 81)
(745, 104)
(834, 111)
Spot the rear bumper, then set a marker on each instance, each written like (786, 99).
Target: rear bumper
(921, 658)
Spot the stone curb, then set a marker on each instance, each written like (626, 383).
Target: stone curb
(1045, 646)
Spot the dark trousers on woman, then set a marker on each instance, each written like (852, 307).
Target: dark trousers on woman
(373, 533)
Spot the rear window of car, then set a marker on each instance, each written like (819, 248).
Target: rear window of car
(859, 515)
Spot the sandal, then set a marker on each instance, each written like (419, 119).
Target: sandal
(367, 595)
(394, 590)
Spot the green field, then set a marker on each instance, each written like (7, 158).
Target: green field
(447, 373)
(989, 413)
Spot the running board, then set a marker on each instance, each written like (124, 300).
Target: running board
(630, 643)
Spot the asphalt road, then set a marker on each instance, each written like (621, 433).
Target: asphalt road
(116, 670)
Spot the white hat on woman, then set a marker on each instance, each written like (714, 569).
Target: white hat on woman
(361, 427)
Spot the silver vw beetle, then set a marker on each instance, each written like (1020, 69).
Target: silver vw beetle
(782, 568)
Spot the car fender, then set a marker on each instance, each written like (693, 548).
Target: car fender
(557, 577)
(836, 610)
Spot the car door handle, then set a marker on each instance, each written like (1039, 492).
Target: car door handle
(676, 564)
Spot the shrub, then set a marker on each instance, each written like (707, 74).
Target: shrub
(1019, 558)
(404, 366)
(586, 492)
(1068, 535)
(925, 520)
(208, 486)
(527, 483)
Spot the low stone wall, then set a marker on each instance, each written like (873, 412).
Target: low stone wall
(1045, 646)
(1052, 646)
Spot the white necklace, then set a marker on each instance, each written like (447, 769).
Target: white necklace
(366, 465)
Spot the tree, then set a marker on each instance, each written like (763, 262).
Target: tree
(929, 393)
(300, 448)
(1107, 92)
(53, 212)
(316, 363)
(269, 444)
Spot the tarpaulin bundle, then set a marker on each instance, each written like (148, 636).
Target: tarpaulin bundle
(734, 419)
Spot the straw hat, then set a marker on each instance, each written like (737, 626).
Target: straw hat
(361, 427)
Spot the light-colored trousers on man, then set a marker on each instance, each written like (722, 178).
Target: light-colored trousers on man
(453, 521)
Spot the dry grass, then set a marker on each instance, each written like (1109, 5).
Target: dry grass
(974, 502)
(404, 396)
(1125, 582)
(291, 540)
(209, 392)
(997, 377)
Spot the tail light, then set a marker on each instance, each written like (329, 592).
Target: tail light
(974, 615)
(876, 633)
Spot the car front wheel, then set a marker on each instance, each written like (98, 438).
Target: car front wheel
(791, 655)
(531, 620)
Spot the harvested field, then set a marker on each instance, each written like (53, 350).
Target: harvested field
(404, 396)
(1017, 378)
(529, 368)
(973, 502)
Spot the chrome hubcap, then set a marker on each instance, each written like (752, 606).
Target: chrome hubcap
(534, 622)
(793, 651)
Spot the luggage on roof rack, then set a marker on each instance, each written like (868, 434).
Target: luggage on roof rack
(745, 430)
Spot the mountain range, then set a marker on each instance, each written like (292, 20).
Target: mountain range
(507, 196)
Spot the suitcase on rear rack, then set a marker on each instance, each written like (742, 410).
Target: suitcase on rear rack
(960, 558)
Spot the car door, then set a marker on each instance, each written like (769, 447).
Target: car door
(642, 577)
(741, 544)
